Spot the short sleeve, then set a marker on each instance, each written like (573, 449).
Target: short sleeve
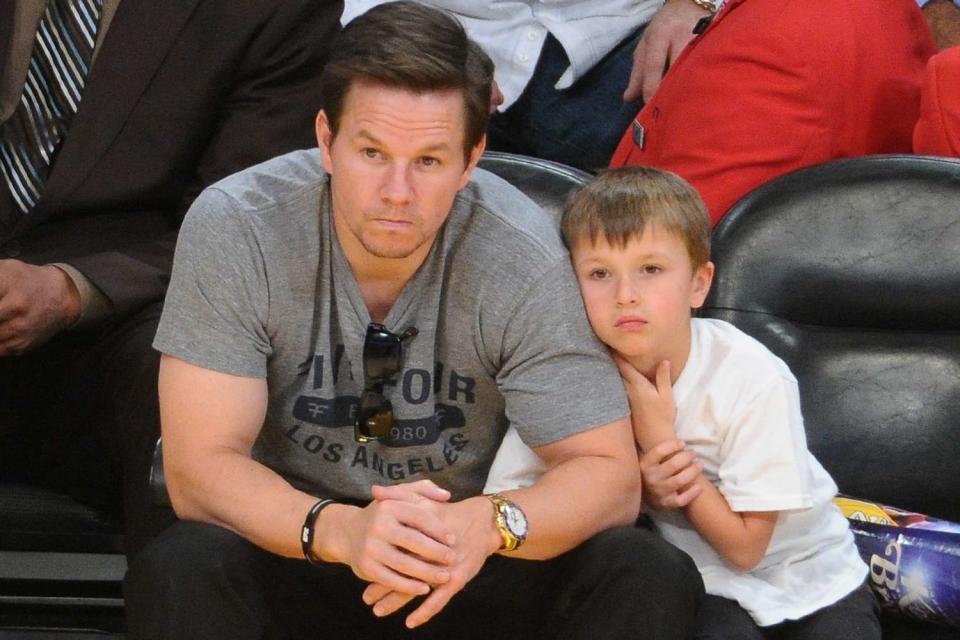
(556, 377)
(215, 313)
(764, 459)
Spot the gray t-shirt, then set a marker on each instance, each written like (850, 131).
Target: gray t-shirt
(261, 288)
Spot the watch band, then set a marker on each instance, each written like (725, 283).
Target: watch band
(706, 5)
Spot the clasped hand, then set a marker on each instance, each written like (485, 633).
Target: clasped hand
(417, 543)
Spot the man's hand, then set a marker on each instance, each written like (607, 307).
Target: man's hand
(476, 539)
(397, 543)
(652, 409)
(662, 41)
(36, 302)
(669, 471)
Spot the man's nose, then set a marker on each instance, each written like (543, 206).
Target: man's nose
(397, 188)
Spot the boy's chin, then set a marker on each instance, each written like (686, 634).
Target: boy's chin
(645, 363)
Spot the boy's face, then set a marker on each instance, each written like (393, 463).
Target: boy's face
(638, 297)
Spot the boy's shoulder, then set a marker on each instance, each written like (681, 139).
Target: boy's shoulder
(734, 354)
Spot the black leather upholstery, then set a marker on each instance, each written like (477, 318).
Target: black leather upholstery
(546, 183)
(850, 271)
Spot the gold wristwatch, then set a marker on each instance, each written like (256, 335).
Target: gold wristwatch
(510, 520)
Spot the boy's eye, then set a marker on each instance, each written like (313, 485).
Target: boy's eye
(599, 273)
(652, 268)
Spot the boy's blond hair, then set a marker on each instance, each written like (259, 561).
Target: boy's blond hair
(618, 204)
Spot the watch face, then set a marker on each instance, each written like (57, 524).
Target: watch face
(516, 521)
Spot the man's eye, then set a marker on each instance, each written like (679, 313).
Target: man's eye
(370, 152)
(429, 161)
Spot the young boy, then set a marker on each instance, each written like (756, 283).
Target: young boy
(726, 471)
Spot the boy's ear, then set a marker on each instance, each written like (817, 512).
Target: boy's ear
(702, 279)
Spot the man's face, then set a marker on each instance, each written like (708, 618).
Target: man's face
(638, 297)
(396, 164)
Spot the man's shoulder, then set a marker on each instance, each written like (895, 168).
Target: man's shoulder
(494, 213)
(274, 203)
(274, 183)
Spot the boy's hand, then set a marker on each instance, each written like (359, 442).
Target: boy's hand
(669, 471)
(652, 408)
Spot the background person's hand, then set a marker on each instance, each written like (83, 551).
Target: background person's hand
(670, 30)
(496, 96)
(36, 303)
(944, 19)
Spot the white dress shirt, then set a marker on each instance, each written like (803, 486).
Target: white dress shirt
(512, 32)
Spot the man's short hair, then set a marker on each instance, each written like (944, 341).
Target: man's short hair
(405, 45)
(618, 204)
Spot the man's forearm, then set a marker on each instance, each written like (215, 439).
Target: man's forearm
(236, 492)
(577, 499)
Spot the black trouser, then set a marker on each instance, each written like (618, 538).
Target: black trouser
(202, 581)
(854, 617)
(80, 414)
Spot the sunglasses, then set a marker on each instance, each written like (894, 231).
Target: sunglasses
(382, 359)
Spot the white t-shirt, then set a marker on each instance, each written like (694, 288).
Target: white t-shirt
(513, 33)
(738, 408)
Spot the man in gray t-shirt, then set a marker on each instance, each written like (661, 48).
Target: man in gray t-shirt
(348, 333)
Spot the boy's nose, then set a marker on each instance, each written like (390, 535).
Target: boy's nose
(626, 292)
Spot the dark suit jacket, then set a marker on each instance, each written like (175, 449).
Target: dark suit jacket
(183, 93)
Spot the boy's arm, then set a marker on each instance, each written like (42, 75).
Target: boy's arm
(673, 478)
(740, 537)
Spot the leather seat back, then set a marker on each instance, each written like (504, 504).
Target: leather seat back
(850, 271)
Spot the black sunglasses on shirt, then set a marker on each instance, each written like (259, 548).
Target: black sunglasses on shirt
(382, 359)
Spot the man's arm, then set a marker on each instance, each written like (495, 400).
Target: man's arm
(592, 483)
(125, 252)
(210, 421)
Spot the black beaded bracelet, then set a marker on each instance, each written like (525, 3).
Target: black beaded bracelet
(306, 534)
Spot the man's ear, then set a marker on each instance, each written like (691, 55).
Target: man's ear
(472, 161)
(324, 140)
(702, 279)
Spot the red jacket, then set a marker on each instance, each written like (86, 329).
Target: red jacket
(938, 131)
(775, 85)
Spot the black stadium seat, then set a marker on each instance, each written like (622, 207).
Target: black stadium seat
(850, 271)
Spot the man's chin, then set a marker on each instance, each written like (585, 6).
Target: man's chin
(392, 250)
